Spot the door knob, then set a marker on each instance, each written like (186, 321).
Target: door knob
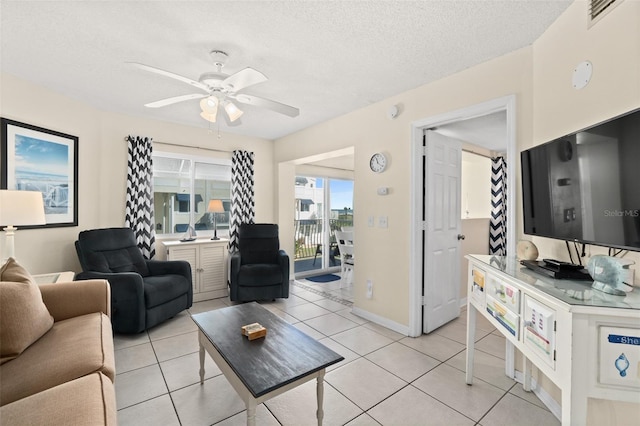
(460, 236)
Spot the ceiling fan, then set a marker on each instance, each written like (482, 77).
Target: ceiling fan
(221, 89)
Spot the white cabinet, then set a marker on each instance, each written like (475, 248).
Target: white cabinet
(208, 260)
(585, 341)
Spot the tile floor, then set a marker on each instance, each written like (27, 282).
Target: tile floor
(385, 379)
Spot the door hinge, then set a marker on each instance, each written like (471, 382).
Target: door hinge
(424, 300)
(424, 151)
(554, 354)
(423, 225)
(554, 325)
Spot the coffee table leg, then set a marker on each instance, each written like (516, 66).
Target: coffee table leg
(201, 364)
(251, 412)
(320, 395)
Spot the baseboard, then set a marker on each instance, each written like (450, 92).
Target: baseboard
(547, 400)
(385, 322)
(463, 303)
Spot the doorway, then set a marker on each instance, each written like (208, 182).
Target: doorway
(417, 297)
(322, 206)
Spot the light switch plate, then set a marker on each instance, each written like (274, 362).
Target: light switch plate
(382, 222)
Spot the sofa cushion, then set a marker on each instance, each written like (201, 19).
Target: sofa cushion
(163, 288)
(89, 400)
(72, 348)
(24, 318)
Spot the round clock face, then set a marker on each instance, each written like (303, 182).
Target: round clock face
(378, 162)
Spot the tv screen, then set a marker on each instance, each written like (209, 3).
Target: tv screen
(585, 186)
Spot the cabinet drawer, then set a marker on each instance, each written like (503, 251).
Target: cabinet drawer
(507, 294)
(539, 329)
(477, 285)
(504, 316)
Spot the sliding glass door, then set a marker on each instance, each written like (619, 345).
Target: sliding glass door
(322, 205)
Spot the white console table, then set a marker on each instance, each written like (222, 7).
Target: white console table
(583, 340)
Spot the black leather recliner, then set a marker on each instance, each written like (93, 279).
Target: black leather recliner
(144, 292)
(259, 269)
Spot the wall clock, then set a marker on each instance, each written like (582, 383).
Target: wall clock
(378, 162)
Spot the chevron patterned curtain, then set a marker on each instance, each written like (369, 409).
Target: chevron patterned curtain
(498, 220)
(242, 203)
(139, 209)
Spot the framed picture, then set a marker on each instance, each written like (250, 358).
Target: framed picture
(37, 159)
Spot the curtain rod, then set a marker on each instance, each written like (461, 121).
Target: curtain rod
(126, 139)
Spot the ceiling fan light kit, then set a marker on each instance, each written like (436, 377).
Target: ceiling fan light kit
(221, 88)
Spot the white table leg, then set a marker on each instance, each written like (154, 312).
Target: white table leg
(251, 412)
(201, 364)
(320, 395)
(526, 373)
(471, 338)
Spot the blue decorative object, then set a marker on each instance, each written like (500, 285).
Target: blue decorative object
(611, 274)
(622, 363)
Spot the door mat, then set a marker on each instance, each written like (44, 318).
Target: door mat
(326, 278)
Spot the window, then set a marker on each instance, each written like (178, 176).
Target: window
(182, 188)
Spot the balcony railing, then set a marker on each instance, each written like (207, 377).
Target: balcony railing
(309, 235)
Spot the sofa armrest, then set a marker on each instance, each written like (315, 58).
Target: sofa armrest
(283, 261)
(72, 299)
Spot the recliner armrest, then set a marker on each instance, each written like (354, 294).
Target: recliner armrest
(166, 267)
(283, 261)
(234, 266)
(73, 299)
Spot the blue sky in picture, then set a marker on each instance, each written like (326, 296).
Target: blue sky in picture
(43, 157)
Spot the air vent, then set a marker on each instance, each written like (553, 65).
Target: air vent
(597, 8)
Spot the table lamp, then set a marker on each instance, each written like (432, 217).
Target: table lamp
(19, 208)
(215, 206)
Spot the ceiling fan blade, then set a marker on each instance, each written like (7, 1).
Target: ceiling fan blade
(269, 104)
(175, 100)
(171, 75)
(245, 78)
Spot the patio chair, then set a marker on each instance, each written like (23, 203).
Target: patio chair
(345, 245)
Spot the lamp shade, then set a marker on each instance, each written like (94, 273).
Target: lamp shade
(232, 111)
(215, 206)
(21, 208)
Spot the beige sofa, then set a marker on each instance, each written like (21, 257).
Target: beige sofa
(66, 375)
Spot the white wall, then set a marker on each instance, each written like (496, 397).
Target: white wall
(475, 185)
(102, 163)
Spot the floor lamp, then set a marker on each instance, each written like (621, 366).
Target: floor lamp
(215, 206)
(19, 208)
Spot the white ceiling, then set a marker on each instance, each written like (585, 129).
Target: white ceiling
(325, 57)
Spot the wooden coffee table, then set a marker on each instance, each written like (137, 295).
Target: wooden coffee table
(266, 367)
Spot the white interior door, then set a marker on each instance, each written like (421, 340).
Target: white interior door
(442, 230)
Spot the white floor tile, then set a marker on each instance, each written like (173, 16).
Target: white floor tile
(185, 370)
(139, 385)
(485, 367)
(413, 407)
(298, 406)
(121, 341)
(207, 305)
(309, 331)
(180, 324)
(434, 345)
(330, 305)
(492, 344)
(135, 357)
(347, 354)
(263, 418)
(384, 331)
(173, 347)
(403, 361)
(361, 340)
(363, 420)
(512, 410)
(331, 324)
(364, 383)
(200, 405)
(156, 411)
(447, 385)
(306, 311)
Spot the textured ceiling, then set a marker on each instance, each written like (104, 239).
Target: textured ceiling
(325, 57)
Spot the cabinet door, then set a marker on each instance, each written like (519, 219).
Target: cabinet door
(212, 266)
(190, 254)
(539, 330)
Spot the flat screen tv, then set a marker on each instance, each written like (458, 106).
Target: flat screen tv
(585, 187)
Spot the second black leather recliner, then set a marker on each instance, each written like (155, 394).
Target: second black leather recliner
(259, 269)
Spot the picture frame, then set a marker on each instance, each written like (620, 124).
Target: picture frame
(38, 159)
